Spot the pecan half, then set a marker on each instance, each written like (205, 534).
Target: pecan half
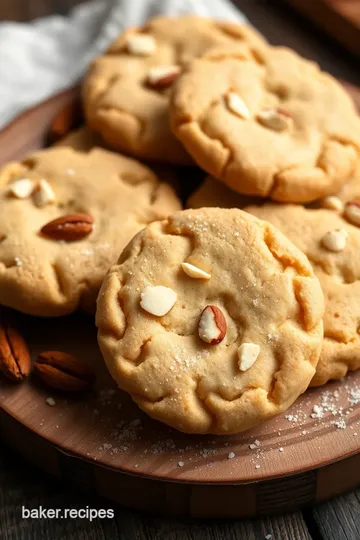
(64, 371)
(70, 228)
(15, 361)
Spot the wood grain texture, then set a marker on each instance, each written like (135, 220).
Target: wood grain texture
(339, 519)
(18, 479)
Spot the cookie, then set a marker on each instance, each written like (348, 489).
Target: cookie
(272, 126)
(212, 321)
(82, 139)
(351, 190)
(331, 240)
(102, 199)
(126, 91)
(213, 193)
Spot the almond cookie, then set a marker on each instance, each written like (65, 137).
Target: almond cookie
(212, 321)
(126, 91)
(214, 193)
(331, 240)
(273, 126)
(65, 215)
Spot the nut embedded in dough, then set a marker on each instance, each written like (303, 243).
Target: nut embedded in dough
(332, 203)
(194, 271)
(352, 212)
(141, 45)
(69, 228)
(158, 300)
(335, 240)
(44, 194)
(248, 354)
(276, 119)
(212, 325)
(162, 76)
(237, 105)
(22, 188)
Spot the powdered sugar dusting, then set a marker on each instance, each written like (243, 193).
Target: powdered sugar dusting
(328, 409)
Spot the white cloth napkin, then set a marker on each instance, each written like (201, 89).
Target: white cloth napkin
(41, 58)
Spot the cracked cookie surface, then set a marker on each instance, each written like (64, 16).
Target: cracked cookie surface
(273, 126)
(129, 109)
(338, 270)
(42, 276)
(239, 337)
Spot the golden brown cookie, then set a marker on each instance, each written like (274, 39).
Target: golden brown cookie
(273, 126)
(212, 321)
(331, 240)
(102, 199)
(126, 91)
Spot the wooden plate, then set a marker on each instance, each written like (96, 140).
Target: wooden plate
(102, 442)
(340, 18)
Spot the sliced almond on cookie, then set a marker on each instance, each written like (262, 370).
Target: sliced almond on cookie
(276, 119)
(212, 325)
(141, 44)
(44, 194)
(22, 188)
(194, 271)
(158, 300)
(237, 105)
(248, 354)
(352, 212)
(162, 76)
(331, 202)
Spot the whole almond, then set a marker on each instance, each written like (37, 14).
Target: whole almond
(70, 228)
(15, 361)
(64, 371)
(212, 325)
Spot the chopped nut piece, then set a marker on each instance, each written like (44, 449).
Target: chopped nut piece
(212, 325)
(248, 354)
(352, 212)
(335, 240)
(237, 105)
(162, 76)
(141, 44)
(158, 300)
(194, 271)
(22, 188)
(332, 203)
(44, 194)
(275, 119)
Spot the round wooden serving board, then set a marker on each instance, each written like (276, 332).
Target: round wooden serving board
(102, 442)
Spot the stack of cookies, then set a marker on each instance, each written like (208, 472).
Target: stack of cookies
(217, 317)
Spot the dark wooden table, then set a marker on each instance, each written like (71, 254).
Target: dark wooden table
(20, 485)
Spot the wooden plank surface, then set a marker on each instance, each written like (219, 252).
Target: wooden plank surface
(20, 484)
(339, 519)
(23, 485)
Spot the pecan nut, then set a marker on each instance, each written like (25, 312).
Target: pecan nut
(70, 228)
(64, 372)
(15, 360)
